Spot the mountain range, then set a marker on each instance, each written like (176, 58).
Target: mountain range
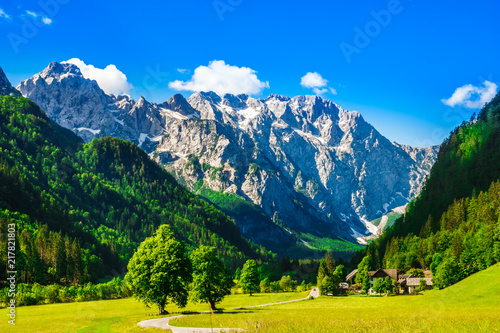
(80, 210)
(311, 168)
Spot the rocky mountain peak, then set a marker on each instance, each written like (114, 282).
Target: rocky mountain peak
(5, 86)
(209, 96)
(280, 98)
(179, 104)
(4, 81)
(234, 101)
(70, 99)
(55, 68)
(141, 103)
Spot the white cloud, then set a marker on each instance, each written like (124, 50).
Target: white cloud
(320, 91)
(4, 14)
(110, 79)
(472, 97)
(183, 71)
(44, 19)
(317, 83)
(222, 78)
(313, 80)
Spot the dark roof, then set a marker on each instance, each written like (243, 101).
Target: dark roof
(381, 273)
(414, 282)
(351, 275)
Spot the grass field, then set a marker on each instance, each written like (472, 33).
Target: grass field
(114, 315)
(472, 305)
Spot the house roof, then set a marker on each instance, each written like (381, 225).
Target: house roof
(351, 275)
(380, 273)
(414, 282)
(392, 273)
(404, 277)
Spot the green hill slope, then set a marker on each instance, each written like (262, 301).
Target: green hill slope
(482, 288)
(81, 209)
(453, 227)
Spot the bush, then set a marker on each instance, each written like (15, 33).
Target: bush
(51, 294)
(285, 283)
(265, 286)
(38, 294)
(275, 287)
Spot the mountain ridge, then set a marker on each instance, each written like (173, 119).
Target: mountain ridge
(309, 164)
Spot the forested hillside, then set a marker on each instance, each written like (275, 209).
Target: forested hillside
(82, 209)
(453, 227)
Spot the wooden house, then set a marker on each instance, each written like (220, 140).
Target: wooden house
(409, 285)
(382, 273)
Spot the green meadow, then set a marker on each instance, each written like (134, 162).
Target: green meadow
(120, 315)
(472, 305)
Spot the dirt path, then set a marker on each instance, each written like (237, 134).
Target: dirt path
(163, 323)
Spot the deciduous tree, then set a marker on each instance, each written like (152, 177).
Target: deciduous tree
(249, 279)
(159, 271)
(212, 281)
(378, 286)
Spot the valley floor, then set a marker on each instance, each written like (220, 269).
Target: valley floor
(472, 305)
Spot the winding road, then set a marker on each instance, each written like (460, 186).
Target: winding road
(163, 323)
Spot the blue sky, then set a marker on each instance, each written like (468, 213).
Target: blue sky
(394, 61)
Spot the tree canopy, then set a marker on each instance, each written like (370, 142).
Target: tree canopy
(249, 278)
(212, 281)
(160, 272)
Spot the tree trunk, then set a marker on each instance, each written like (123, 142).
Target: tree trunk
(212, 304)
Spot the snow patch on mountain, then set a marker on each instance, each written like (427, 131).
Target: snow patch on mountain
(95, 132)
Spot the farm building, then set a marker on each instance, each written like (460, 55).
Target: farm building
(374, 275)
(409, 284)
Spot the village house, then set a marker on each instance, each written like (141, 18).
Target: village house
(374, 275)
(407, 283)
(382, 273)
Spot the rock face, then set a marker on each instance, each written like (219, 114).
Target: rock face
(81, 105)
(5, 86)
(312, 166)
